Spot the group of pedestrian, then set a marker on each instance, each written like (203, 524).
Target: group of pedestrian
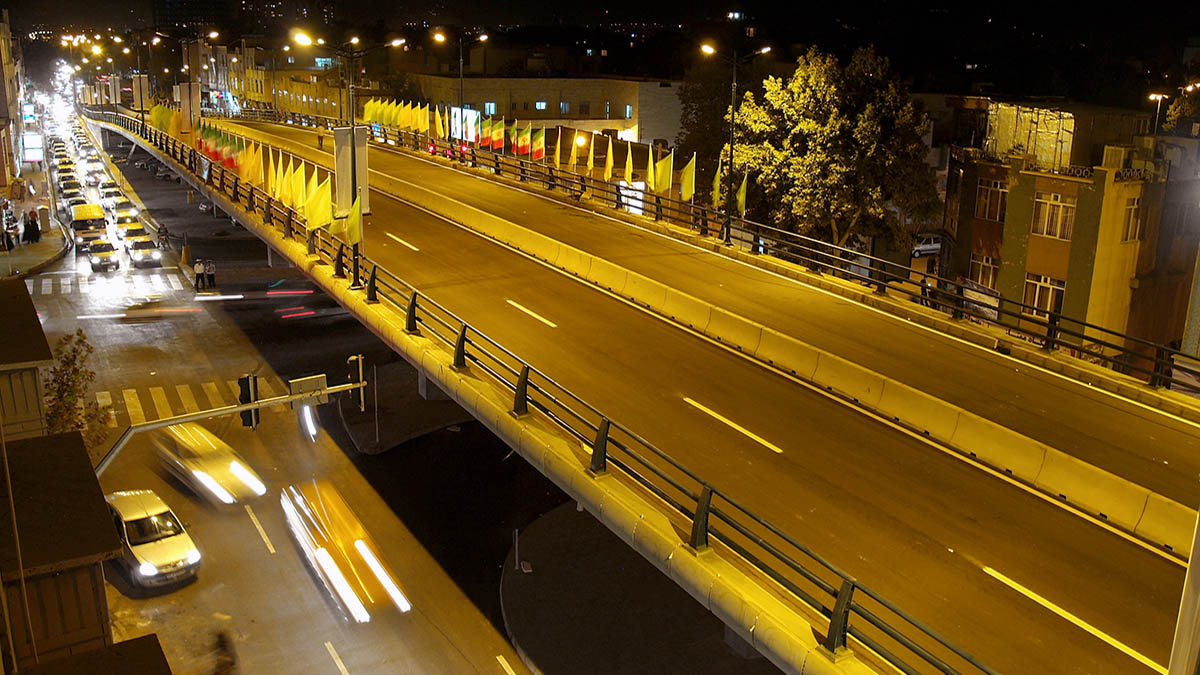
(206, 274)
(20, 228)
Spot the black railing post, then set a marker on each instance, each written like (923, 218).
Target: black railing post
(339, 264)
(372, 293)
(960, 301)
(699, 538)
(410, 316)
(727, 234)
(839, 620)
(460, 349)
(600, 449)
(521, 395)
(1051, 342)
(354, 260)
(268, 210)
(1161, 376)
(311, 239)
(236, 199)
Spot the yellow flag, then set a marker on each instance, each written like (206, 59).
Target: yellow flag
(269, 183)
(260, 168)
(608, 161)
(402, 120)
(354, 223)
(299, 194)
(629, 162)
(687, 180)
(318, 210)
(285, 184)
(650, 169)
(664, 173)
(741, 196)
(573, 159)
(425, 119)
(437, 122)
(312, 184)
(591, 155)
(557, 138)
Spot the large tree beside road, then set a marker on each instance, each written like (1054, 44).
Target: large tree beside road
(69, 404)
(836, 150)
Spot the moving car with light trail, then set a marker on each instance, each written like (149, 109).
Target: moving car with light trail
(154, 546)
(206, 464)
(340, 551)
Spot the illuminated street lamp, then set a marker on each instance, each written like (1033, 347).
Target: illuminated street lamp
(440, 37)
(734, 61)
(1158, 99)
(213, 35)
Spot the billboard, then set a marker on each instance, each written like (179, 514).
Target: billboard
(464, 124)
(32, 149)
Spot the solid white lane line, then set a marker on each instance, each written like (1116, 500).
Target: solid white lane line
(504, 664)
(185, 395)
(737, 427)
(104, 399)
(337, 660)
(402, 241)
(133, 406)
(532, 313)
(258, 526)
(1096, 632)
(161, 405)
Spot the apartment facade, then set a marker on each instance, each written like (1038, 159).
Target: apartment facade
(1054, 209)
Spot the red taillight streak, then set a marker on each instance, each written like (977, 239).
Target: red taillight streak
(292, 316)
(289, 309)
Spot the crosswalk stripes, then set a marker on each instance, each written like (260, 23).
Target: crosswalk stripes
(104, 399)
(158, 282)
(133, 406)
(178, 400)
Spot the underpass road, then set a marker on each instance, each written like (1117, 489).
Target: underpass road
(907, 519)
(1151, 449)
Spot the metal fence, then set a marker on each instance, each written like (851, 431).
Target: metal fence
(854, 611)
(1151, 362)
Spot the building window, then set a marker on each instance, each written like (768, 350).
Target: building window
(539, 105)
(607, 104)
(1133, 222)
(489, 108)
(1043, 294)
(525, 105)
(514, 105)
(1053, 215)
(628, 111)
(585, 108)
(991, 200)
(984, 270)
(564, 108)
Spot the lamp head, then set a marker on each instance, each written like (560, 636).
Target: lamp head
(708, 49)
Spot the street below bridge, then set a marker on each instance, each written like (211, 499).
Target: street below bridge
(1013, 577)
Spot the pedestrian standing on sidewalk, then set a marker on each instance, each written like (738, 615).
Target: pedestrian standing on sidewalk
(210, 273)
(36, 234)
(198, 270)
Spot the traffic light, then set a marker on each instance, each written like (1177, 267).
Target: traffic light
(248, 393)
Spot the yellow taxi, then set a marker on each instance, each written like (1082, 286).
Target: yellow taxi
(340, 551)
(103, 256)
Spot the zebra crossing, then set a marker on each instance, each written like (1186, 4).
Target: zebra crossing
(145, 404)
(157, 282)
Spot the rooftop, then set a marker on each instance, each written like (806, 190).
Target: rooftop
(143, 655)
(62, 527)
(24, 342)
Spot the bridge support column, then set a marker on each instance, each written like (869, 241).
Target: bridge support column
(428, 390)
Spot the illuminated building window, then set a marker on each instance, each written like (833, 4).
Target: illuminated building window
(489, 108)
(628, 112)
(991, 200)
(564, 108)
(984, 270)
(1053, 215)
(540, 105)
(1044, 294)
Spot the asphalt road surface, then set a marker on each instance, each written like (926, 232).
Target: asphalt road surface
(1151, 449)
(951, 544)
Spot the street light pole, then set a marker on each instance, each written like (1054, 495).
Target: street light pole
(729, 175)
(460, 71)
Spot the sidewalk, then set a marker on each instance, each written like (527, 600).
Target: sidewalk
(27, 259)
(591, 604)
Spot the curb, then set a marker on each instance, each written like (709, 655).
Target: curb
(512, 640)
(68, 244)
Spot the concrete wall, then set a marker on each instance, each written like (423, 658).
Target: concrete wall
(1115, 260)
(68, 613)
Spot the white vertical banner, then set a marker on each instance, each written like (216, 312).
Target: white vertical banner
(344, 199)
(114, 90)
(141, 92)
(1185, 649)
(175, 93)
(189, 103)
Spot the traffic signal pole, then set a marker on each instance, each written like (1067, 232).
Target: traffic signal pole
(219, 412)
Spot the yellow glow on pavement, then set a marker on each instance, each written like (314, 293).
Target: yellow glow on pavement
(733, 424)
(1096, 632)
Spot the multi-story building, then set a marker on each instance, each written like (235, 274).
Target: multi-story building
(191, 14)
(11, 95)
(1053, 209)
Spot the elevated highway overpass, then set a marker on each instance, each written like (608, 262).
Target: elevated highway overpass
(1013, 577)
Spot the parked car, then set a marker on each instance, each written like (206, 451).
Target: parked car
(155, 547)
(927, 244)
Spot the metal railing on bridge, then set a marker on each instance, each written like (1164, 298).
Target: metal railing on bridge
(1153, 363)
(854, 611)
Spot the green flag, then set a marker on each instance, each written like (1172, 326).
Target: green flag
(716, 186)
(538, 147)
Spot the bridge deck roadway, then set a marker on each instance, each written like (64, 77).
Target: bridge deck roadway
(907, 519)
(1146, 447)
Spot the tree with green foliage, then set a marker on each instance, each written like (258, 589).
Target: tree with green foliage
(69, 405)
(836, 151)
